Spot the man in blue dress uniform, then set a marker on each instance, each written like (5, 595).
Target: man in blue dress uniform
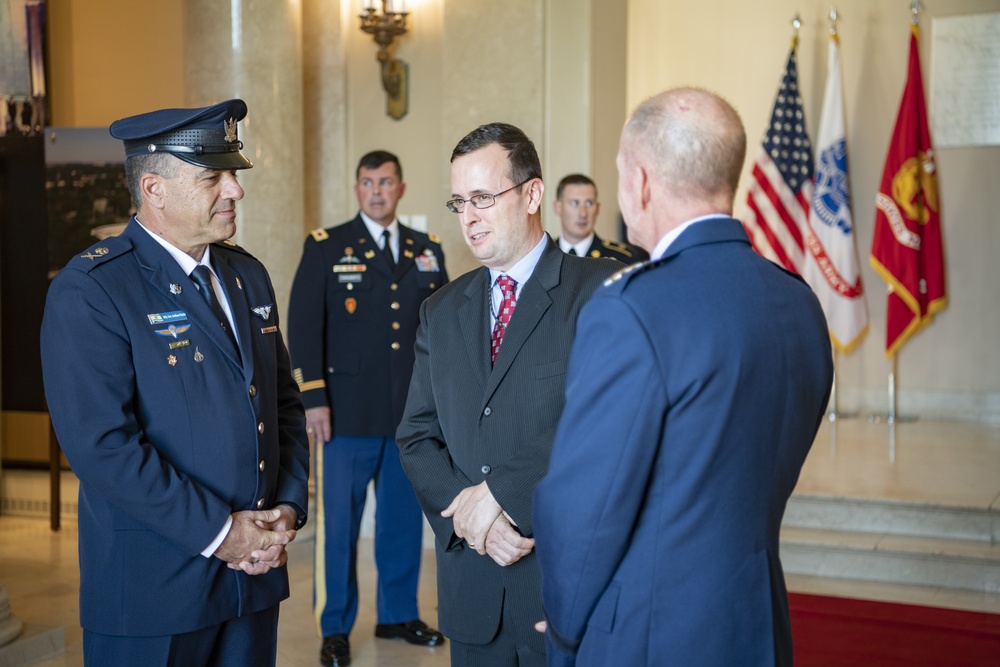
(658, 542)
(353, 319)
(171, 393)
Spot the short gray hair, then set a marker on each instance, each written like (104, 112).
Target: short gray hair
(692, 139)
(162, 164)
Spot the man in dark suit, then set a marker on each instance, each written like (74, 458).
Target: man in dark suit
(353, 317)
(486, 395)
(577, 206)
(657, 522)
(171, 393)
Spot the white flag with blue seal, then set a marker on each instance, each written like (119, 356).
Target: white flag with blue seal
(831, 264)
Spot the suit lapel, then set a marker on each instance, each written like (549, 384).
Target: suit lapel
(528, 312)
(367, 243)
(473, 318)
(238, 306)
(406, 251)
(166, 277)
(595, 244)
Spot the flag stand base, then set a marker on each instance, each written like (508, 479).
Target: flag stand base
(883, 418)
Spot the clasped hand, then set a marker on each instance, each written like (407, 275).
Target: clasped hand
(481, 522)
(256, 541)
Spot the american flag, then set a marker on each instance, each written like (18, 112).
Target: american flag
(781, 187)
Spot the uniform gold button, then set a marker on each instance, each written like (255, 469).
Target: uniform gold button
(260, 503)
(432, 285)
(394, 287)
(395, 326)
(394, 305)
(253, 391)
(395, 346)
(261, 465)
(260, 427)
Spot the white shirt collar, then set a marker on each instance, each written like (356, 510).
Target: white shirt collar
(581, 248)
(375, 229)
(671, 236)
(187, 263)
(522, 271)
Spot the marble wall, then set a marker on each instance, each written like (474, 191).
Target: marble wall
(951, 369)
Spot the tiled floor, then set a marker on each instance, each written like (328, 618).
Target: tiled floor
(945, 463)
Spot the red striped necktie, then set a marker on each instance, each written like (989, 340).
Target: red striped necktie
(508, 288)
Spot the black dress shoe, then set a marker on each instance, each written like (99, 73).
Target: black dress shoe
(414, 632)
(336, 651)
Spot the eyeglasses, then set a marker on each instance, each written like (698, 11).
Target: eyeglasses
(479, 201)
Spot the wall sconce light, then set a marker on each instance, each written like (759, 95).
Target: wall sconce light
(385, 27)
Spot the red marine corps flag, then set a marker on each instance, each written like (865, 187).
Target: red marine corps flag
(906, 249)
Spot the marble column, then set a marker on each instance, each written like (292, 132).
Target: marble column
(251, 49)
(329, 167)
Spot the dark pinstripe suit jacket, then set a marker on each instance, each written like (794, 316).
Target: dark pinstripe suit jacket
(465, 423)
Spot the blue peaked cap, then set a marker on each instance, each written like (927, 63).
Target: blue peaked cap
(205, 137)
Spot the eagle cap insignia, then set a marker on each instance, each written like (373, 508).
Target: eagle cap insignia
(230, 128)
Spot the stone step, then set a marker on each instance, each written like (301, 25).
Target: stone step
(886, 517)
(948, 563)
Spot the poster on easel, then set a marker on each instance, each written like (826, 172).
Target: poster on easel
(86, 193)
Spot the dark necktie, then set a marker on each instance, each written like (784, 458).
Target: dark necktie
(202, 277)
(387, 250)
(508, 288)
(572, 251)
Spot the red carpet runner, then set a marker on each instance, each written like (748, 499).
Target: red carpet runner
(835, 632)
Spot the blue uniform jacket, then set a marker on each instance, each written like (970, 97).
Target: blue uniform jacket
(169, 431)
(657, 524)
(352, 323)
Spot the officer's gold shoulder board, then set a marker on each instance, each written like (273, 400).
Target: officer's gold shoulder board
(615, 245)
(624, 272)
(319, 234)
(231, 245)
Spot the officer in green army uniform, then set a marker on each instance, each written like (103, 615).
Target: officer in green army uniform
(577, 206)
(353, 318)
